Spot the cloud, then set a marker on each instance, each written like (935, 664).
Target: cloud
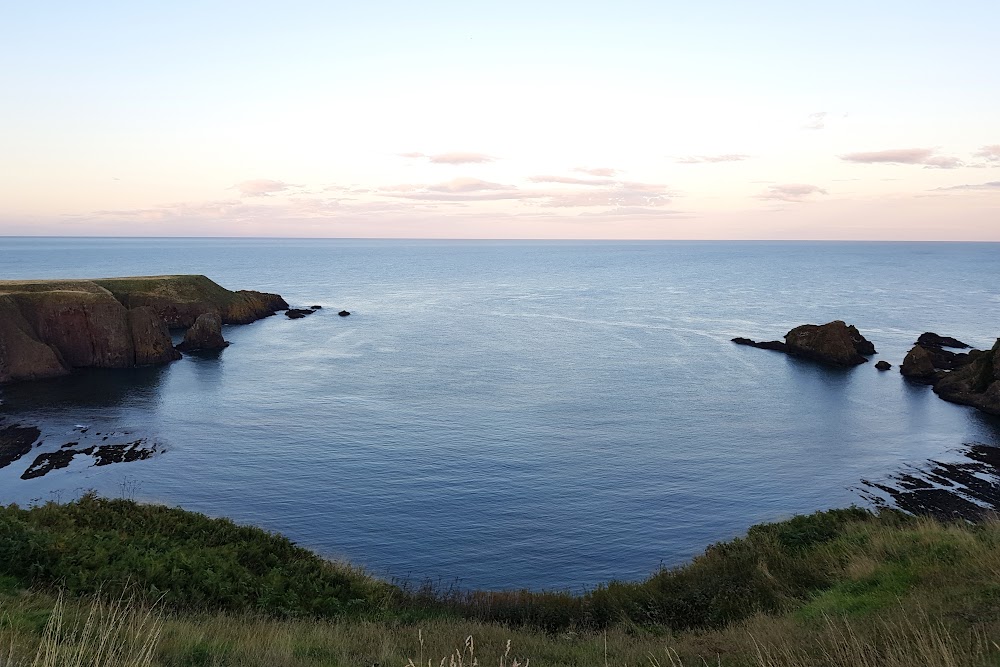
(569, 180)
(597, 171)
(452, 158)
(924, 156)
(815, 121)
(791, 192)
(262, 187)
(700, 159)
(989, 153)
(622, 195)
(467, 185)
(992, 185)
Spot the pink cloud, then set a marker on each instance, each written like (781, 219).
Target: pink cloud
(623, 195)
(597, 171)
(466, 185)
(989, 153)
(700, 159)
(794, 192)
(262, 187)
(924, 156)
(569, 180)
(452, 158)
(992, 185)
(815, 121)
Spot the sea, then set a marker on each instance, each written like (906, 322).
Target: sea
(516, 414)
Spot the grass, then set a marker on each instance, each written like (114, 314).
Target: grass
(845, 587)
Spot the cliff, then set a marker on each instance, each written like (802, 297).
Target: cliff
(48, 327)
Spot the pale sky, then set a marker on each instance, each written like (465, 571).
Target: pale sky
(625, 119)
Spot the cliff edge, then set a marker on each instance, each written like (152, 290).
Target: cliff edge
(48, 327)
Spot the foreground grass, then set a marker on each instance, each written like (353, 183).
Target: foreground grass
(845, 587)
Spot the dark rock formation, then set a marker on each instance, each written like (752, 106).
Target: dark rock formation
(15, 442)
(343, 313)
(834, 343)
(298, 313)
(179, 300)
(931, 339)
(775, 345)
(204, 334)
(883, 365)
(103, 455)
(150, 337)
(49, 327)
(49, 461)
(22, 355)
(316, 307)
(919, 365)
(977, 383)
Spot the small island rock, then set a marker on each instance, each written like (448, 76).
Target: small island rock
(976, 384)
(344, 313)
(883, 365)
(918, 365)
(204, 334)
(835, 343)
(298, 313)
(931, 339)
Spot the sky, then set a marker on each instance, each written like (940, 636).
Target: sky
(875, 120)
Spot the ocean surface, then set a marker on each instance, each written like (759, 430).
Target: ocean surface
(517, 414)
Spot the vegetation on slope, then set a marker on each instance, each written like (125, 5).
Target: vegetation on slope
(844, 587)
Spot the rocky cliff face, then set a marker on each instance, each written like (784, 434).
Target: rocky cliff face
(976, 384)
(48, 328)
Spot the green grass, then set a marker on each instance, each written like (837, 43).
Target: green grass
(844, 587)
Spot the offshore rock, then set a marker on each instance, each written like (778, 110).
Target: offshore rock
(883, 365)
(976, 384)
(150, 337)
(298, 313)
(931, 339)
(834, 343)
(919, 365)
(775, 345)
(343, 313)
(204, 334)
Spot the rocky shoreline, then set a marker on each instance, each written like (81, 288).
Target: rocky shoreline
(50, 327)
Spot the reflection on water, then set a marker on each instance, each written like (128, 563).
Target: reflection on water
(100, 388)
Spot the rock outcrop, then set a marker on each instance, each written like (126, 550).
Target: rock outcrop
(918, 365)
(834, 343)
(883, 365)
(931, 339)
(49, 327)
(298, 313)
(179, 300)
(977, 383)
(150, 337)
(204, 334)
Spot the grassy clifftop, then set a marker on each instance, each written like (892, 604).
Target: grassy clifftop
(844, 587)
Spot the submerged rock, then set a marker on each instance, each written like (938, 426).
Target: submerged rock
(204, 334)
(883, 365)
(775, 345)
(15, 442)
(298, 313)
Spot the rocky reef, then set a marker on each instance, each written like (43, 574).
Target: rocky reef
(49, 327)
(834, 343)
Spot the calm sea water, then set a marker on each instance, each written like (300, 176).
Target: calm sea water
(517, 414)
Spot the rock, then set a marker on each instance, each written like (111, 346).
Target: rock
(977, 383)
(150, 337)
(204, 334)
(49, 327)
(22, 355)
(343, 313)
(179, 300)
(834, 343)
(883, 365)
(776, 345)
(316, 307)
(931, 339)
(15, 442)
(46, 463)
(298, 313)
(919, 365)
